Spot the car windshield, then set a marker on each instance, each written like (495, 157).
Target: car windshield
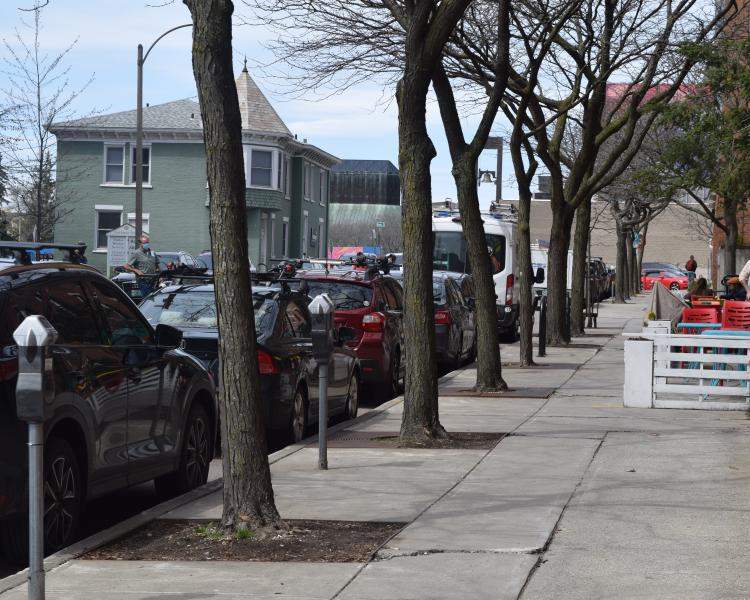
(345, 296)
(450, 252)
(207, 260)
(189, 309)
(438, 292)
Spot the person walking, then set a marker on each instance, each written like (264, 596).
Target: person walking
(145, 265)
(690, 266)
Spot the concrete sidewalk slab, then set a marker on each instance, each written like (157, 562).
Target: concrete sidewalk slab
(135, 580)
(442, 577)
(657, 516)
(509, 503)
(361, 484)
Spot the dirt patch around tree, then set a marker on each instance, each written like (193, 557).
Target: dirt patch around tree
(297, 541)
(456, 440)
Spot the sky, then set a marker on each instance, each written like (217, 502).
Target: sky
(360, 123)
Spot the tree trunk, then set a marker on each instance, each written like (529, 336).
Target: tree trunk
(420, 419)
(488, 362)
(632, 290)
(557, 284)
(730, 245)
(248, 494)
(621, 269)
(525, 283)
(580, 268)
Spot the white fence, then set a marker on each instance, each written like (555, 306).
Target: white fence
(709, 372)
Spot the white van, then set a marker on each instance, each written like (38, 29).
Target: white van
(501, 232)
(540, 258)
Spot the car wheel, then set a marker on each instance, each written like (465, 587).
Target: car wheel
(674, 286)
(63, 501)
(352, 397)
(298, 419)
(195, 458)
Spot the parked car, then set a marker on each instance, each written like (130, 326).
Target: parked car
(662, 266)
(177, 262)
(671, 279)
(599, 278)
(288, 370)
(125, 404)
(206, 259)
(455, 332)
(372, 305)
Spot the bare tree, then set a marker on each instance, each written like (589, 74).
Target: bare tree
(36, 95)
(248, 494)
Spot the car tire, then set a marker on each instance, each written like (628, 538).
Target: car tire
(63, 503)
(352, 399)
(298, 418)
(195, 457)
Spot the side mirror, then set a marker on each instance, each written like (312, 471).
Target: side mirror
(539, 276)
(346, 334)
(168, 337)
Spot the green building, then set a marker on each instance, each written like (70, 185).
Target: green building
(287, 180)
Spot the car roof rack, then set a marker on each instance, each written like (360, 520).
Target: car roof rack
(22, 250)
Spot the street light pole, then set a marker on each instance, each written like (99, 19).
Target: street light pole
(139, 131)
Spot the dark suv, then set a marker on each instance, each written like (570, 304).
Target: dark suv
(372, 305)
(125, 405)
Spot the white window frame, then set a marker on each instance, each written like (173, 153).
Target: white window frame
(145, 221)
(305, 232)
(131, 170)
(249, 167)
(273, 235)
(98, 209)
(104, 164)
(323, 187)
(285, 236)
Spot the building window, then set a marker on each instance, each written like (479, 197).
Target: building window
(261, 168)
(323, 187)
(285, 236)
(145, 219)
(146, 166)
(305, 234)
(114, 164)
(106, 221)
(308, 181)
(288, 172)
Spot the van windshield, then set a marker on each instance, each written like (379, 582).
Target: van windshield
(450, 252)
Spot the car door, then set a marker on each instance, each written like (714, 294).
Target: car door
(153, 416)
(86, 367)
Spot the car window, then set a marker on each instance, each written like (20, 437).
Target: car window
(438, 291)
(18, 304)
(182, 309)
(70, 313)
(126, 325)
(496, 248)
(345, 296)
(297, 320)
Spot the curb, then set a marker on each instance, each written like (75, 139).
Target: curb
(105, 536)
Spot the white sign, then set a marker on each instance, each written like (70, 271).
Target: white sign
(120, 246)
(380, 224)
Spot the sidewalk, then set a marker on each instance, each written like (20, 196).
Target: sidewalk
(582, 499)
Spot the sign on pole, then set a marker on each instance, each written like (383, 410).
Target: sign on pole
(380, 224)
(120, 246)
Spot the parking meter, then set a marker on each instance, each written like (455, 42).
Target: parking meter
(321, 312)
(33, 335)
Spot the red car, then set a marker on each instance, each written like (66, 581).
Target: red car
(670, 279)
(372, 305)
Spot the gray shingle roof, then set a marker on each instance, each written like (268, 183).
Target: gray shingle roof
(365, 166)
(257, 114)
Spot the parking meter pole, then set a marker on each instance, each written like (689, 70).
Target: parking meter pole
(323, 415)
(36, 511)
(32, 336)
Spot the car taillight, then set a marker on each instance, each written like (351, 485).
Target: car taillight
(266, 363)
(509, 289)
(373, 322)
(443, 317)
